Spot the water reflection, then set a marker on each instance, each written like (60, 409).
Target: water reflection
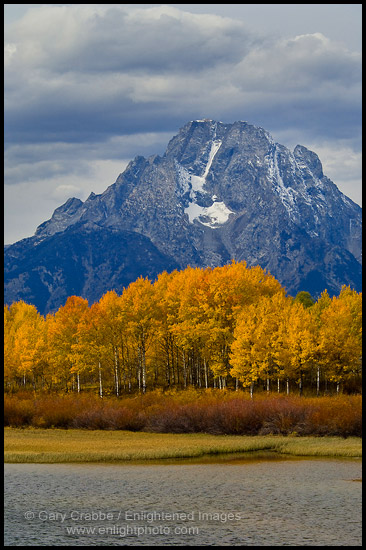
(243, 501)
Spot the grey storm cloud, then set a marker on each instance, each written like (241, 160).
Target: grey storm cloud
(89, 39)
(89, 86)
(72, 70)
(79, 72)
(31, 162)
(171, 41)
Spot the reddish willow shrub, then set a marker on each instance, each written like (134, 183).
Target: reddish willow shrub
(191, 411)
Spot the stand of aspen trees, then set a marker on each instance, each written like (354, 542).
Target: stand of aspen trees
(224, 327)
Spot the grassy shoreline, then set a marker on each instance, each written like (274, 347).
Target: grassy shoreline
(37, 445)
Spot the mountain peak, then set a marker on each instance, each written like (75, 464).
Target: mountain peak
(62, 217)
(220, 192)
(311, 159)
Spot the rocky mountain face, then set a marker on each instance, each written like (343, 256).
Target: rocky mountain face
(220, 192)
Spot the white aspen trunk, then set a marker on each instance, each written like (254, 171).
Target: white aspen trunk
(167, 373)
(206, 373)
(116, 371)
(251, 390)
(278, 385)
(139, 367)
(177, 363)
(124, 379)
(267, 385)
(174, 374)
(220, 383)
(191, 365)
(214, 383)
(318, 381)
(143, 371)
(184, 370)
(100, 381)
(78, 381)
(287, 386)
(337, 388)
(143, 361)
(139, 377)
(236, 384)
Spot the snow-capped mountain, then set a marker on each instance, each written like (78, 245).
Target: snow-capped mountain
(220, 191)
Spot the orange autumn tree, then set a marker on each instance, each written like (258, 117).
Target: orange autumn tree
(254, 351)
(298, 344)
(273, 340)
(340, 339)
(193, 326)
(24, 343)
(62, 336)
(200, 327)
(9, 363)
(317, 311)
(97, 347)
(169, 346)
(90, 348)
(186, 323)
(139, 309)
(233, 288)
(111, 325)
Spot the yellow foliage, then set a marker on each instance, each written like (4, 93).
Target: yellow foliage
(189, 327)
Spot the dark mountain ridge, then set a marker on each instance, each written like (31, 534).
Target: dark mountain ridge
(220, 192)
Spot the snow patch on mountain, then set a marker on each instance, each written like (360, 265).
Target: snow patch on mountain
(212, 216)
(197, 182)
(286, 194)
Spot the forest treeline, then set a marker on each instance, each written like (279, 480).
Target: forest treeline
(224, 327)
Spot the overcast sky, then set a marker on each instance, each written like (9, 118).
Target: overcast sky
(90, 86)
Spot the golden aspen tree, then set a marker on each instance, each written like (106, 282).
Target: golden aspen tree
(218, 309)
(167, 351)
(24, 342)
(178, 295)
(244, 353)
(251, 283)
(299, 340)
(30, 348)
(89, 348)
(111, 326)
(210, 302)
(190, 326)
(256, 340)
(255, 286)
(271, 311)
(317, 310)
(139, 307)
(341, 336)
(9, 357)
(62, 335)
(203, 329)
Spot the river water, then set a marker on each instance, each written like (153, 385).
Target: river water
(240, 502)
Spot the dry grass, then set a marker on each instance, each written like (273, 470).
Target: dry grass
(57, 446)
(192, 411)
